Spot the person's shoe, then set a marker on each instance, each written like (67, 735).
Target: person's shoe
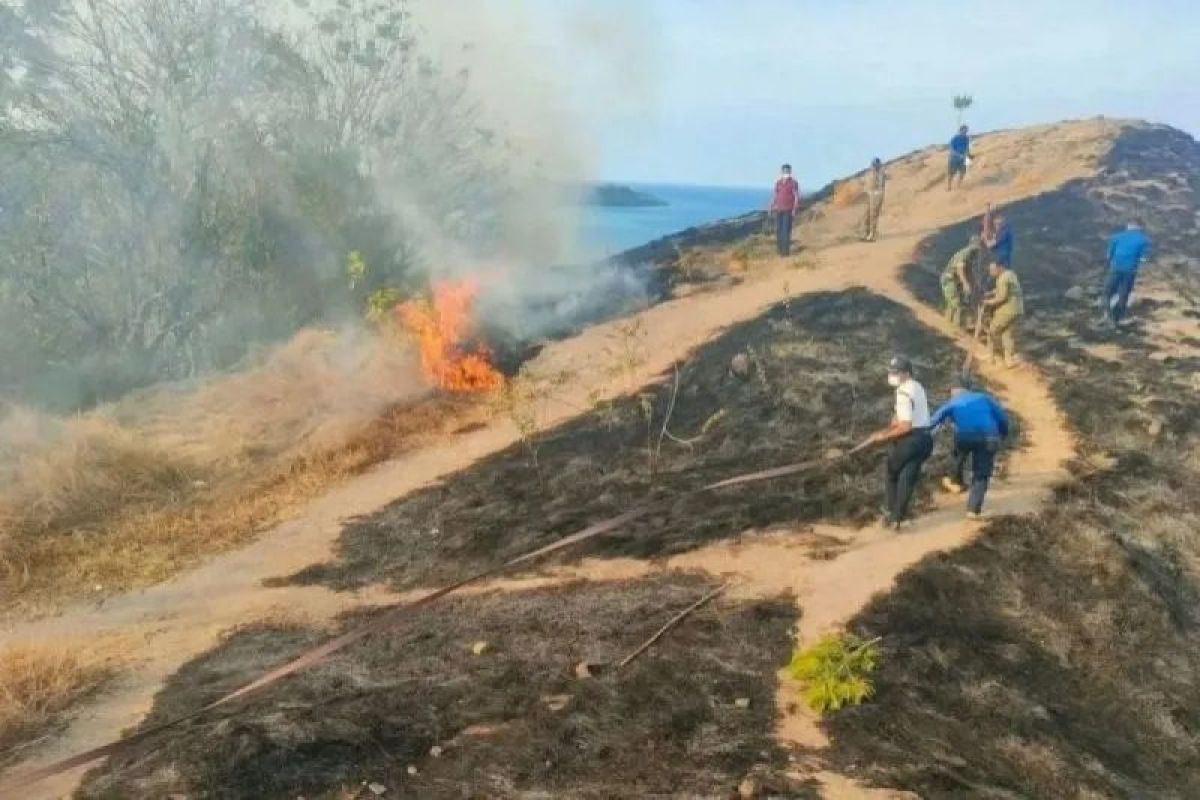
(952, 486)
(888, 521)
(975, 516)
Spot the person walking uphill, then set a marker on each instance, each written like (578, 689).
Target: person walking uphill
(959, 289)
(1000, 241)
(960, 157)
(784, 204)
(980, 425)
(1125, 253)
(909, 443)
(874, 185)
(1007, 305)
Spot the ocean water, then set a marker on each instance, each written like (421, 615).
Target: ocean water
(607, 231)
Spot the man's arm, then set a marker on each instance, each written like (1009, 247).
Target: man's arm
(898, 426)
(940, 415)
(998, 295)
(796, 202)
(960, 272)
(895, 430)
(1112, 248)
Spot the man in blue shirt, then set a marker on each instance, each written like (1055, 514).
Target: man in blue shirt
(1000, 241)
(980, 424)
(1125, 253)
(960, 154)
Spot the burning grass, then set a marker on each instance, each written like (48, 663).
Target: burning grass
(443, 328)
(814, 384)
(513, 722)
(38, 684)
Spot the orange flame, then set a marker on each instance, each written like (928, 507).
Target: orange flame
(442, 326)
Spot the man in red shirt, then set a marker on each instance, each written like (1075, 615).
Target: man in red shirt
(784, 205)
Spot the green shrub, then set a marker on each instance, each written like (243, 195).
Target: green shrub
(836, 671)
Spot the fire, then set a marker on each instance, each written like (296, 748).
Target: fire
(442, 327)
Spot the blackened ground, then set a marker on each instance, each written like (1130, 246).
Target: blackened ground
(817, 382)
(1059, 656)
(669, 725)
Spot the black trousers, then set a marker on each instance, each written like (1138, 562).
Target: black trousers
(905, 458)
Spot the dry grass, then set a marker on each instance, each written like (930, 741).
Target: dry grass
(37, 685)
(129, 494)
(847, 193)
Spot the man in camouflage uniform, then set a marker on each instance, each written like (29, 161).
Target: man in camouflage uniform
(874, 185)
(1007, 305)
(958, 281)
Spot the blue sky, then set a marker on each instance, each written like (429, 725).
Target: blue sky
(722, 91)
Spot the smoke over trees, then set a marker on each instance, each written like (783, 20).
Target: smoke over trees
(184, 178)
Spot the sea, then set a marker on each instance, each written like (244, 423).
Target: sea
(611, 230)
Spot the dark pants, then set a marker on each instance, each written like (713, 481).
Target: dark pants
(982, 452)
(783, 232)
(904, 460)
(1119, 285)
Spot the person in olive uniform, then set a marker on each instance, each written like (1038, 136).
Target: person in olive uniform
(959, 290)
(1007, 306)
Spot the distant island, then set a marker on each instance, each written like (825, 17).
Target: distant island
(616, 196)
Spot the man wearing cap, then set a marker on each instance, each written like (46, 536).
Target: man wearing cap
(909, 442)
(980, 425)
(874, 184)
(958, 281)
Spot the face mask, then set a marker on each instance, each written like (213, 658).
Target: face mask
(894, 380)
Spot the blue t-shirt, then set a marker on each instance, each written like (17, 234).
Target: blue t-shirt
(1126, 250)
(1003, 248)
(960, 146)
(973, 414)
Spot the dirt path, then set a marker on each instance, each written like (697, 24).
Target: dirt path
(176, 621)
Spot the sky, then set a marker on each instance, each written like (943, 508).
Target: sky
(722, 91)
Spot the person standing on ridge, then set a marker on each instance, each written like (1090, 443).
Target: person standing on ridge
(909, 442)
(960, 289)
(1006, 305)
(875, 183)
(1125, 253)
(785, 203)
(960, 156)
(1000, 241)
(980, 425)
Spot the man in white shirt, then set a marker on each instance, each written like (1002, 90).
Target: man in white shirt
(909, 442)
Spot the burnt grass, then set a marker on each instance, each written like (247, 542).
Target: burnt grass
(816, 384)
(1059, 655)
(668, 725)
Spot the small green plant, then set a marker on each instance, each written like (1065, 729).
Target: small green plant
(519, 400)
(381, 302)
(836, 671)
(356, 268)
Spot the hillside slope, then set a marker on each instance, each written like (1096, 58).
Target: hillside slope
(1059, 656)
(503, 487)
